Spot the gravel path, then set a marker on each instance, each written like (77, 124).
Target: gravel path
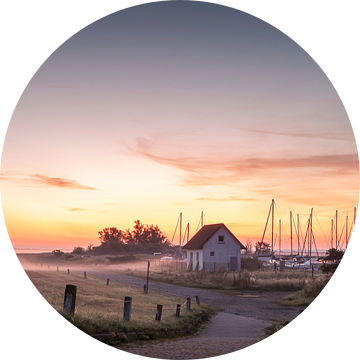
(225, 334)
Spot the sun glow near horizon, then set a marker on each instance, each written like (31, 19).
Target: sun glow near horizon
(117, 126)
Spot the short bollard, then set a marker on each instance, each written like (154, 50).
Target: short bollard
(107, 281)
(69, 299)
(158, 312)
(57, 268)
(197, 300)
(127, 308)
(84, 274)
(188, 303)
(68, 271)
(178, 306)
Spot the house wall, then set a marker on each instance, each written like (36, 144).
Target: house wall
(188, 258)
(222, 251)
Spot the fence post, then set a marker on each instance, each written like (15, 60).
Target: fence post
(107, 281)
(197, 300)
(158, 312)
(188, 303)
(69, 299)
(127, 308)
(68, 271)
(84, 274)
(147, 277)
(178, 306)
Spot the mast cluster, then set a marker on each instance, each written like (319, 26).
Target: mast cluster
(308, 245)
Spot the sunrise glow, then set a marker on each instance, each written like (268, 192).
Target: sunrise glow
(144, 117)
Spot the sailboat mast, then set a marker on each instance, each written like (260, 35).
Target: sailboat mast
(279, 237)
(180, 231)
(202, 219)
(298, 234)
(336, 228)
(291, 244)
(332, 235)
(311, 233)
(272, 227)
(347, 231)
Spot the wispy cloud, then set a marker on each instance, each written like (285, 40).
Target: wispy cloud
(42, 180)
(226, 198)
(59, 182)
(75, 209)
(227, 167)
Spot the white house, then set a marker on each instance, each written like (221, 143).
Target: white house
(214, 247)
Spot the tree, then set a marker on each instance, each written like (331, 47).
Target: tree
(154, 235)
(138, 232)
(262, 248)
(78, 250)
(142, 238)
(331, 260)
(248, 246)
(57, 253)
(111, 236)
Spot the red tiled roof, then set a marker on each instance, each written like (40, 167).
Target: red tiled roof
(204, 234)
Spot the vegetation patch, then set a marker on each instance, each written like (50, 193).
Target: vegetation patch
(99, 307)
(307, 295)
(275, 326)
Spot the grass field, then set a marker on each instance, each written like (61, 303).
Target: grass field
(267, 280)
(302, 284)
(99, 308)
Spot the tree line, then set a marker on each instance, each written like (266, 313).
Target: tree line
(143, 238)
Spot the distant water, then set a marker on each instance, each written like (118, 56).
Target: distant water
(33, 250)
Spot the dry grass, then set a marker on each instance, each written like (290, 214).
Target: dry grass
(99, 308)
(244, 280)
(308, 294)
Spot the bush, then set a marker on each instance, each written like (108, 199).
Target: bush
(314, 288)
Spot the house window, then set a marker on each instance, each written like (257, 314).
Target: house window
(221, 239)
(212, 253)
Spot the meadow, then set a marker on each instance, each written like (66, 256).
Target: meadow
(99, 307)
(303, 285)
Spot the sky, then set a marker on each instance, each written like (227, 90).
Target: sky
(176, 107)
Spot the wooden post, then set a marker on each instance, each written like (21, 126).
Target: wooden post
(178, 306)
(158, 312)
(69, 299)
(127, 308)
(197, 299)
(84, 274)
(145, 292)
(107, 281)
(188, 303)
(68, 271)
(57, 268)
(147, 277)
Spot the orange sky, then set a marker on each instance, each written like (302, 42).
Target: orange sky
(145, 124)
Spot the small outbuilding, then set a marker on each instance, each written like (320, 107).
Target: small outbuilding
(214, 247)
